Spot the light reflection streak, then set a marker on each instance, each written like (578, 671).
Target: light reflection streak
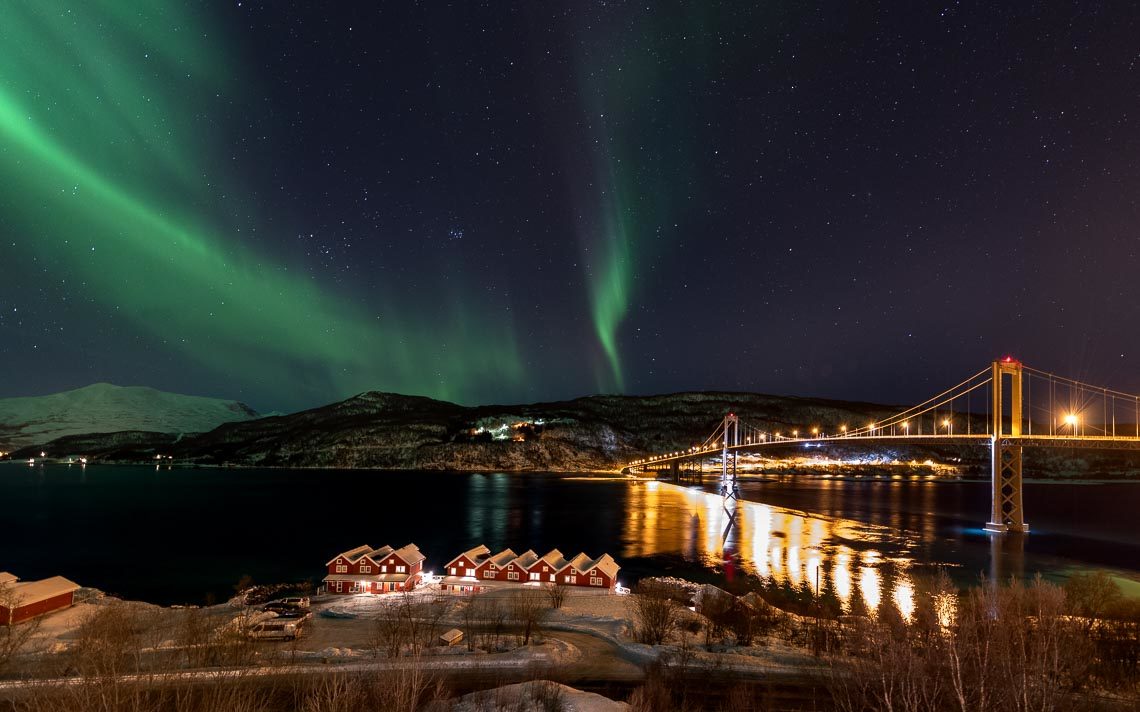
(904, 596)
(782, 547)
(841, 577)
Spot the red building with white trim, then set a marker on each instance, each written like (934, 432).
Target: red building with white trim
(476, 570)
(21, 601)
(368, 570)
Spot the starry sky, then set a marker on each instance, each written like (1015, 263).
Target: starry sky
(289, 203)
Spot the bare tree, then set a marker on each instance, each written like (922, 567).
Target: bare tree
(1091, 596)
(556, 593)
(528, 608)
(717, 607)
(14, 636)
(1003, 647)
(389, 630)
(655, 613)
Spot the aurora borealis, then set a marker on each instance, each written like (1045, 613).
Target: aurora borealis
(288, 205)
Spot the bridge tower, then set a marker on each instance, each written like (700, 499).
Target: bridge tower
(1007, 514)
(728, 488)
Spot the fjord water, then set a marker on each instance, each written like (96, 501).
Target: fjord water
(185, 535)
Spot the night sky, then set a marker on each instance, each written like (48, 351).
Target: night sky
(288, 204)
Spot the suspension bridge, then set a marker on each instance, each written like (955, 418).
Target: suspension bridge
(1021, 407)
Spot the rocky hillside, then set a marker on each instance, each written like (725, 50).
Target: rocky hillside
(384, 430)
(105, 408)
(598, 433)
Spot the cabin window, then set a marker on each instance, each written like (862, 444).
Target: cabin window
(536, 577)
(489, 574)
(383, 569)
(552, 578)
(452, 570)
(513, 575)
(391, 561)
(365, 569)
(341, 568)
(471, 573)
(571, 579)
(401, 569)
(595, 581)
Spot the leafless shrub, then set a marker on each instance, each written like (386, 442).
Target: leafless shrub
(14, 637)
(335, 693)
(528, 607)
(548, 696)
(1091, 596)
(556, 593)
(717, 608)
(1002, 647)
(655, 613)
(484, 622)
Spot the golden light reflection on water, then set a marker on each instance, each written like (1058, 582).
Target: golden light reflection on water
(780, 546)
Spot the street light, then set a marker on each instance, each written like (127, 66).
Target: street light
(843, 429)
(1071, 419)
(906, 427)
(949, 425)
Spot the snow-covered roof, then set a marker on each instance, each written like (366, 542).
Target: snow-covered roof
(30, 592)
(555, 559)
(606, 564)
(475, 555)
(374, 578)
(410, 554)
(526, 559)
(579, 562)
(6, 578)
(503, 558)
(462, 580)
(377, 554)
(351, 554)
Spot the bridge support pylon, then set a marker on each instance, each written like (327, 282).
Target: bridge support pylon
(728, 488)
(1007, 513)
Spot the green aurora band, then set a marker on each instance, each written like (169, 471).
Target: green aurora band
(643, 137)
(108, 184)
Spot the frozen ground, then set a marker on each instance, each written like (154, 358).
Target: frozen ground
(528, 697)
(589, 631)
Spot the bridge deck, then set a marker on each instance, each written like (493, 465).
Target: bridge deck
(1097, 442)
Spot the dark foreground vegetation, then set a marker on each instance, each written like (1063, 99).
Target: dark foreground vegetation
(1017, 646)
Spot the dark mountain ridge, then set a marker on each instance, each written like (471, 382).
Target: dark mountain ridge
(595, 433)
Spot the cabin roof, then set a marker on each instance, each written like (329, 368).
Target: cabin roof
(30, 592)
(352, 555)
(503, 558)
(476, 555)
(526, 559)
(410, 554)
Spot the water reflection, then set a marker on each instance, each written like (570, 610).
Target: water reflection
(487, 507)
(840, 559)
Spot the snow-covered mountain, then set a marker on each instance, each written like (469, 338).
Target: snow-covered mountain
(106, 408)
